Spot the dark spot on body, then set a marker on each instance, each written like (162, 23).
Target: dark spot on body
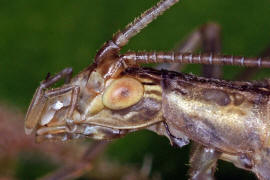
(238, 99)
(218, 96)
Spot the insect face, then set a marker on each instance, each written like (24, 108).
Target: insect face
(105, 109)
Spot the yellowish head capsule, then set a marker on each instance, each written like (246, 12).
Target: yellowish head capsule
(123, 93)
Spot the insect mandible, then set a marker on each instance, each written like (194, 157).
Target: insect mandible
(115, 96)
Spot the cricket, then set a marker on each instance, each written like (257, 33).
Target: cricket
(114, 96)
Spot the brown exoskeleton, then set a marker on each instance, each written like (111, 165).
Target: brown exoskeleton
(114, 96)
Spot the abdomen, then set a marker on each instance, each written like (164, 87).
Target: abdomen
(231, 117)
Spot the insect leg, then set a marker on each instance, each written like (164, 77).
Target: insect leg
(203, 162)
(258, 162)
(39, 100)
(240, 161)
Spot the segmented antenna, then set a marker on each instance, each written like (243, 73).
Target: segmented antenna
(121, 38)
(134, 58)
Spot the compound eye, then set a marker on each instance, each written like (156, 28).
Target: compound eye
(123, 93)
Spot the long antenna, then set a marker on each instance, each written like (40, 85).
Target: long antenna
(121, 38)
(133, 58)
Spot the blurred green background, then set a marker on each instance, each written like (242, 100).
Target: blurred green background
(38, 37)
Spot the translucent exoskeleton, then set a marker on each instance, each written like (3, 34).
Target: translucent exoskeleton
(115, 96)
